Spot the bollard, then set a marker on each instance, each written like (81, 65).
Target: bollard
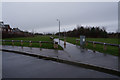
(12, 43)
(3, 42)
(30, 43)
(55, 45)
(40, 43)
(64, 41)
(64, 46)
(105, 47)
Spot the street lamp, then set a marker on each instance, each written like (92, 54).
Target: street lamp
(59, 29)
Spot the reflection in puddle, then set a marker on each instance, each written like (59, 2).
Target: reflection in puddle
(22, 47)
(105, 54)
(30, 48)
(82, 49)
(56, 51)
(40, 49)
(94, 51)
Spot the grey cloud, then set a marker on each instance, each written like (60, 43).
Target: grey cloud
(42, 16)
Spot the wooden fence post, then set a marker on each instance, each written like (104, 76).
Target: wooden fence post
(55, 45)
(64, 41)
(40, 43)
(3, 42)
(21, 42)
(30, 43)
(12, 43)
(76, 41)
(105, 47)
(94, 45)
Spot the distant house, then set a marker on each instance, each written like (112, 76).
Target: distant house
(1, 25)
(16, 31)
(8, 32)
(5, 27)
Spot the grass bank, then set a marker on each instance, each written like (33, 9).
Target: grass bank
(110, 49)
(36, 38)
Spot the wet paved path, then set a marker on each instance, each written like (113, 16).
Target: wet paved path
(22, 66)
(90, 57)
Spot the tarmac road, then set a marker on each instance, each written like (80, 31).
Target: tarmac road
(22, 66)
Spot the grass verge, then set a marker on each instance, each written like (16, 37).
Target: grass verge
(37, 45)
(110, 49)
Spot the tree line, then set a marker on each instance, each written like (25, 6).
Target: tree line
(92, 32)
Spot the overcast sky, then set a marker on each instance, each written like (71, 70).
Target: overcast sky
(41, 16)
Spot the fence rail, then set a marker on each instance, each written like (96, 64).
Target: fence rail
(102, 43)
(94, 42)
(51, 37)
(28, 41)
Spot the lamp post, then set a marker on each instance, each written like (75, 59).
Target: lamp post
(59, 29)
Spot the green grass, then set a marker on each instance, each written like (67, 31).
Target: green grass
(0, 41)
(110, 49)
(36, 38)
